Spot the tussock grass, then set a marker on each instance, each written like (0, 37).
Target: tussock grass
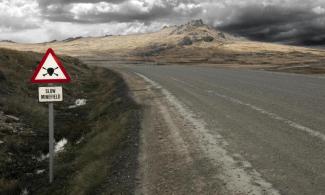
(8, 187)
(96, 132)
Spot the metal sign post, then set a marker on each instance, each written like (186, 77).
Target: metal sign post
(51, 141)
(50, 70)
(50, 94)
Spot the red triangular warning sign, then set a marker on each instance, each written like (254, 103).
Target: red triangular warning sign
(50, 70)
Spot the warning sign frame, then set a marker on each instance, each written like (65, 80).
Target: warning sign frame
(59, 64)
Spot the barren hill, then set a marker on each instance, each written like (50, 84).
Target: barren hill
(191, 43)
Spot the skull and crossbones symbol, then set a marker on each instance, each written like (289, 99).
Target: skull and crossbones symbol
(50, 71)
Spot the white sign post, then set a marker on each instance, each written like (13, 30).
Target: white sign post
(50, 94)
(51, 141)
(50, 70)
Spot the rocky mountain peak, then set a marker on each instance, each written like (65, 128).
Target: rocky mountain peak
(197, 31)
(196, 23)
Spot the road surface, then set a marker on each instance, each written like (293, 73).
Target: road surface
(239, 131)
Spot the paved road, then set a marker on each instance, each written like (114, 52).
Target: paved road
(275, 121)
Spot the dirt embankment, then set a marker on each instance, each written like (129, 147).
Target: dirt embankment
(96, 131)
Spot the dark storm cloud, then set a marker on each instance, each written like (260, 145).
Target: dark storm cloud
(127, 14)
(59, 10)
(131, 14)
(44, 3)
(162, 11)
(293, 25)
(289, 21)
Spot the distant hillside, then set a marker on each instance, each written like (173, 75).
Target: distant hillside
(191, 43)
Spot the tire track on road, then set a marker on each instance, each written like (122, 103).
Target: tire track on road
(237, 179)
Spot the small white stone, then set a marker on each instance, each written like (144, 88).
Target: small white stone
(12, 117)
(59, 146)
(24, 192)
(43, 157)
(80, 140)
(78, 103)
(81, 102)
(40, 171)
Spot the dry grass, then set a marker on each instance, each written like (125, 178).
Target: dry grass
(163, 48)
(103, 125)
(9, 186)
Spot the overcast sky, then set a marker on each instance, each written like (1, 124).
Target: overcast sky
(290, 21)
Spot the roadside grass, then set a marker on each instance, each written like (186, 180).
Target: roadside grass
(91, 165)
(9, 187)
(93, 172)
(27, 108)
(96, 132)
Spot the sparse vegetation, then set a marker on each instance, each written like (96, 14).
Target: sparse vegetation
(193, 43)
(208, 38)
(185, 41)
(96, 132)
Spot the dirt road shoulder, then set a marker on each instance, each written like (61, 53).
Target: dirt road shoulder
(178, 155)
